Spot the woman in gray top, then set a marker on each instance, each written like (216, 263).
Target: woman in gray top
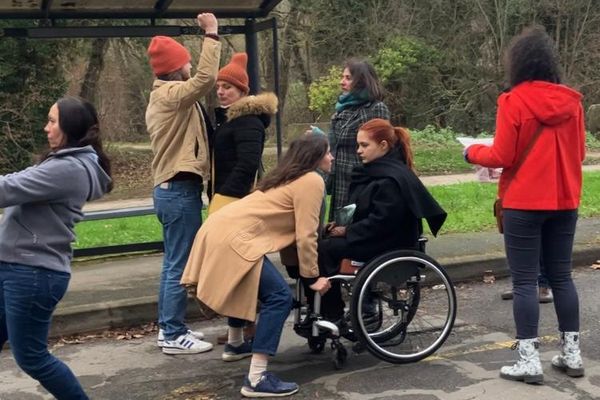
(41, 206)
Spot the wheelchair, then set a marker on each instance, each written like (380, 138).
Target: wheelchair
(402, 307)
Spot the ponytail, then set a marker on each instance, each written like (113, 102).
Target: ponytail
(404, 146)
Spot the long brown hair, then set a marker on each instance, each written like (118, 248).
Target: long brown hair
(303, 155)
(364, 78)
(399, 139)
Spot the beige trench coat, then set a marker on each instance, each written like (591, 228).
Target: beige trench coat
(227, 255)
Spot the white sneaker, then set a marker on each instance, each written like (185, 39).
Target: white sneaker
(161, 336)
(186, 344)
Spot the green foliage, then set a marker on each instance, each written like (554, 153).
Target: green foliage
(406, 66)
(400, 55)
(323, 92)
(31, 79)
(592, 143)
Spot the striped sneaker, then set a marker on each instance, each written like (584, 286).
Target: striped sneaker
(186, 344)
(161, 336)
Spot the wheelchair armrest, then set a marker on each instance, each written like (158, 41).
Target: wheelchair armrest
(422, 242)
(349, 267)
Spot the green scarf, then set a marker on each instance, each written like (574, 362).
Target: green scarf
(351, 99)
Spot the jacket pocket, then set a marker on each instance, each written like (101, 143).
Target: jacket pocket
(248, 243)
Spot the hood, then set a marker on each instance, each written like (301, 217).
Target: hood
(550, 103)
(264, 103)
(98, 178)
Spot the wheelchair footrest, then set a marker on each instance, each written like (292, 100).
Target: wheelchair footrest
(327, 326)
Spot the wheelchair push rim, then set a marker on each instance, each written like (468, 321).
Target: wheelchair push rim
(409, 285)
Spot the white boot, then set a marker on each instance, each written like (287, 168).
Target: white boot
(528, 368)
(569, 360)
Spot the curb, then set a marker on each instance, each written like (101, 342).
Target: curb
(131, 312)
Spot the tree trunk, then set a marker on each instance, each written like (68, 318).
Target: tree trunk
(93, 70)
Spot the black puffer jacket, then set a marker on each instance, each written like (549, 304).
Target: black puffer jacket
(238, 143)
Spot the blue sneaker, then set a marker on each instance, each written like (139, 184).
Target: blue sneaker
(268, 386)
(234, 353)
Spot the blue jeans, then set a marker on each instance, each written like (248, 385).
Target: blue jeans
(28, 297)
(275, 306)
(531, 236)
(179, 210)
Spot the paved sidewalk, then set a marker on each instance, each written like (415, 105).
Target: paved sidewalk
(122, 291)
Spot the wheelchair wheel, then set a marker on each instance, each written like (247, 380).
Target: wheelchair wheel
(403, 306)
(316, 344)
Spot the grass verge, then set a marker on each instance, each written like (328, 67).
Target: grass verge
(469, 207)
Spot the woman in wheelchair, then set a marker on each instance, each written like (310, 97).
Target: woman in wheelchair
(390, 203)
(228, 264)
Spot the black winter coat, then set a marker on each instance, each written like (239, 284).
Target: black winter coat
(238, 143)
(390, 203)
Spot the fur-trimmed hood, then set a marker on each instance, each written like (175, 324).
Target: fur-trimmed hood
(264, 103)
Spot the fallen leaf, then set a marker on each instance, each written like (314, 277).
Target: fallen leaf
(488, 277)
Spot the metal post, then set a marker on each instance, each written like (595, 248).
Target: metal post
(277, 86)
(252, 51)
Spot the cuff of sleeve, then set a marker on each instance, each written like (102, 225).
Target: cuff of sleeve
(213, 36)
(309, 281)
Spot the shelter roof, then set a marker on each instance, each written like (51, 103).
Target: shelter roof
(111, 9)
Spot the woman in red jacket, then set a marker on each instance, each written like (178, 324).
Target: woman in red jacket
(540, 201)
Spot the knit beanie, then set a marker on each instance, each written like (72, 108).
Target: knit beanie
(235, 72)
(167, 55)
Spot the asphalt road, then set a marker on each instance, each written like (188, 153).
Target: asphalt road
(466, 367)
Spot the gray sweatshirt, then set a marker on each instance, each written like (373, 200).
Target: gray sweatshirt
(42, 204)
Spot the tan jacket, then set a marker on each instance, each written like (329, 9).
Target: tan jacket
(226, 258)
(175, 123)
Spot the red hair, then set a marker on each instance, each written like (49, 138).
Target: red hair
(380, 129)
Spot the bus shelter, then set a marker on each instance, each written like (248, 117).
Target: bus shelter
(52, 19)
(55, 19)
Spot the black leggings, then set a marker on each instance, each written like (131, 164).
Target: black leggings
(529, 235)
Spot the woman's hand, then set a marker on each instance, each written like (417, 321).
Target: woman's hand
(328, 227)
(338, 231)
(322, 285)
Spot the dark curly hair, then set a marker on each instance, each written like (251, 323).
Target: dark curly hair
(532, 56)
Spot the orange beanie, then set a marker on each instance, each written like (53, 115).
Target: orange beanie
(235, 72)
(167, 55)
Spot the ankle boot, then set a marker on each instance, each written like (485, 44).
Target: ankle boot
(569, 360)
(528, 368)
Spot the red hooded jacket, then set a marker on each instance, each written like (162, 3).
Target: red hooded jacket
(550, 177)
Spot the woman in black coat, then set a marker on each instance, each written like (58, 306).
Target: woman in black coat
(390, 203)
(238, 141)
(237, 145)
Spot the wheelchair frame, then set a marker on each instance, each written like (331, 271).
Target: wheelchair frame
(311, 325)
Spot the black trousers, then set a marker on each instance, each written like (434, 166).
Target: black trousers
(331, 252)
(548, 235)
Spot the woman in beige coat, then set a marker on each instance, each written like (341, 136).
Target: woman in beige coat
(229, 266)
